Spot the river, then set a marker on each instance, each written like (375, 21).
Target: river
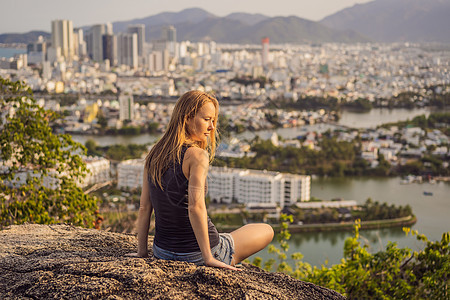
(379, 116)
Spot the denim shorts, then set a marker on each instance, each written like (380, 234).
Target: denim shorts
(223, 251)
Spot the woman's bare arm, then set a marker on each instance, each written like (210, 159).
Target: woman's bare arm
(144, 217)
(198, 163)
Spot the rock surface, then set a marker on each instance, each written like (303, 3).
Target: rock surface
(66, 262)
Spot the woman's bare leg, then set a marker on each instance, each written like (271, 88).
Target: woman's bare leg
(250, 239)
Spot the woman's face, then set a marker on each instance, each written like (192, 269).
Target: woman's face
(202, 124)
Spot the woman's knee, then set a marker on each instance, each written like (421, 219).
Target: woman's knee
(258, 234)
(265, 232)
(268, 233)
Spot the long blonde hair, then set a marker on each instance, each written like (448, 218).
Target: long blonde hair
(167, 150)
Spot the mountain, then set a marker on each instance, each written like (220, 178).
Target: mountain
(197, 25)
(249, 19)
(379, 20)
(396, 20)
(190, 15)
(296, 30)
(25, 38)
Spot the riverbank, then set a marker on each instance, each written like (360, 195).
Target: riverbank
(342, 226)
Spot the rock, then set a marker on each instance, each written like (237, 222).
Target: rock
(67, 262)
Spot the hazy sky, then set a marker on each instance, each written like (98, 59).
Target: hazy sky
(26, 15)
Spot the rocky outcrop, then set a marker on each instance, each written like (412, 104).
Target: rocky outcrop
(66, 262)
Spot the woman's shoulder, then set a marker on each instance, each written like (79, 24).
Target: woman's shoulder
(196, 154)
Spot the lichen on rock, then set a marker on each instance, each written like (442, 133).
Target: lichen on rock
(67, 262)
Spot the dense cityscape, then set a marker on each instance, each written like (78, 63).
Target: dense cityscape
(105, 83)
(120, 83)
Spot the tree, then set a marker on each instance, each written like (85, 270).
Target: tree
(102, 121)
(153, 127)
(92, 148)
(39, 170)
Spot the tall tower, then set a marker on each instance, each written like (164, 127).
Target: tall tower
(139, 29)
(169, 33)
(96, 42)
(79, 42)
(110, 48)
(62, 37)
(127, 46)
(265, 51)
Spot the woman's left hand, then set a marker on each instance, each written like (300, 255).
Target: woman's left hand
(218, 264)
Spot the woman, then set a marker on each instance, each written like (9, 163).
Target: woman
(175, 186)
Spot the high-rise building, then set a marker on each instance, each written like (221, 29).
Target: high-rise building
(139, 29)
(53, 54)
(158, 61)
(46, 70)
(37, 51)
(39, 46)
(126, 107)
(79, 42)
(265, 52)
(110, 48)
(62, 37)
(95, 42)
(169, 33)
(109, 28)
(127, 49)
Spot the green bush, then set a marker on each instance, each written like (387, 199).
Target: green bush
(394, 273)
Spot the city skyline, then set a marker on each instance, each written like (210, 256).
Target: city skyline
(37, 15)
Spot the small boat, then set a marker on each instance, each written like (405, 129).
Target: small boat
(428, 193)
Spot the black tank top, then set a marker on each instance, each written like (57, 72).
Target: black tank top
(173, 230)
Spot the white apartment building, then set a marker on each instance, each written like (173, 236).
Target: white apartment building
(130, 174)
(254, 186)
(126, 107)
(296, 188)
(222, 184)
(227, 184)
(99, 170)
(21, 177)
(260, 187)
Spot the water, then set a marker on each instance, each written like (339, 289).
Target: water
(431, 211)
(10, 52)
(108, 140)
(379, 116)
